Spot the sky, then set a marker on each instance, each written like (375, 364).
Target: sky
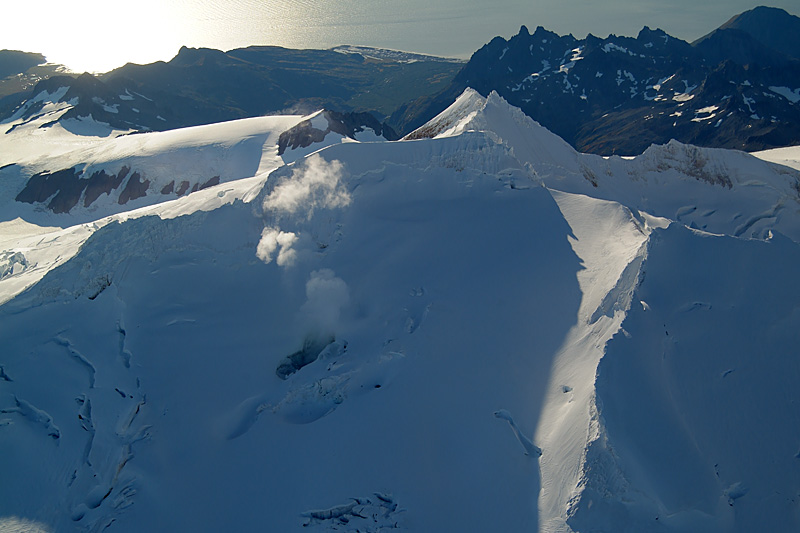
(98, 35)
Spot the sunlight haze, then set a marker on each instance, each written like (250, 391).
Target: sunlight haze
(98, 36)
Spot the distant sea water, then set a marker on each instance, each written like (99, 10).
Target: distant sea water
(450, 28)
(152, 30)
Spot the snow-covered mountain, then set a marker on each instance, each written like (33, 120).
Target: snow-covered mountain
(733, 88)
(476, 328)
(81, 165)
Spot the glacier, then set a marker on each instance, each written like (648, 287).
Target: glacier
(634, 320)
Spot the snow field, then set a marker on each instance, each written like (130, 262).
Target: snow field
(385, 335)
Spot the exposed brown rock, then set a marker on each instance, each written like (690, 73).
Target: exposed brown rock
(63, 188)
(134, 189)
(210, 183)
(300, 136)
(100, 183)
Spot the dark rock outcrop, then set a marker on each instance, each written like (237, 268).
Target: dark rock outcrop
(136, 188)
(60, 191)
(349, 125)
(102, 183)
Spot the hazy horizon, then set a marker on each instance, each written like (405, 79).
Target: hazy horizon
(155, 30)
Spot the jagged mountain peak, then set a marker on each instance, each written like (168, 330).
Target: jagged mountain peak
(618, 95)
(503, 122)
(646, 32)
(452, 119)
(676, 169)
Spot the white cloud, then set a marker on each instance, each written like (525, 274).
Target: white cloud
(272, 240)
(326, 296)
(313, 185)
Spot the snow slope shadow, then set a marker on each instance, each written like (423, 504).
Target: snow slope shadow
(460, 290)
(475, 282)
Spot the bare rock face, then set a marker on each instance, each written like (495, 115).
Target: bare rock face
(210, 183)
(300, 136)
(346, 124)
(62, 190)
(100, 183)
(136, 188)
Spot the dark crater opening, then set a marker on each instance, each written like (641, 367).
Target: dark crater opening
(312, 347)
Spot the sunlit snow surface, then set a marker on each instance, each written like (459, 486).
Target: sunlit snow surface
(440, 309)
